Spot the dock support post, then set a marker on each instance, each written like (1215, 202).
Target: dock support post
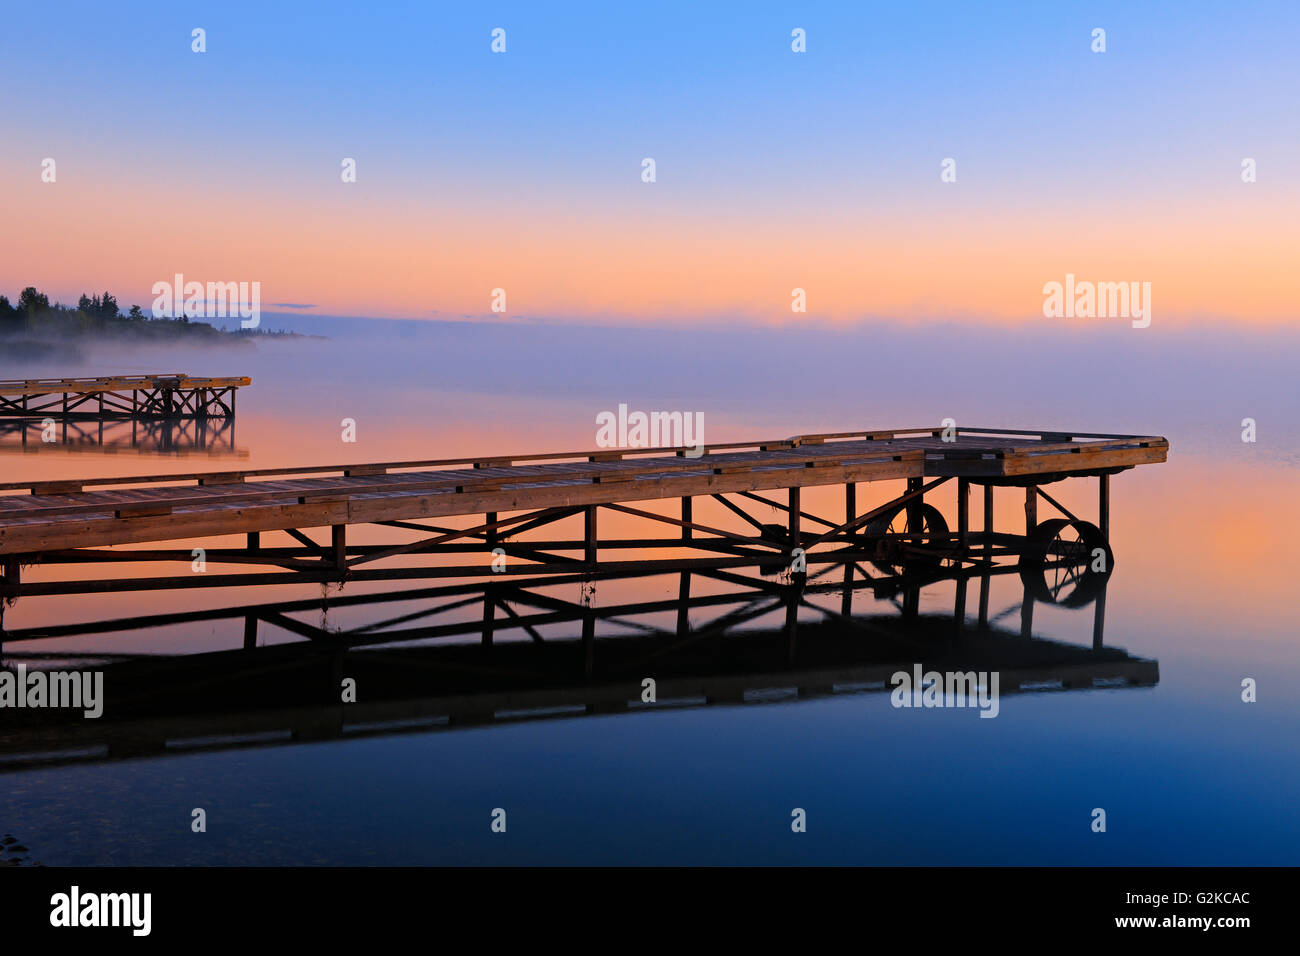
(250, 632)
(254, 541)
(339, 546)
(794, 518)
(850, 501)
(988, 524)
(1099, 619)
(1031, 509)
(489, 614)
(687, 511)
(491, 518)
(963, 515)
(590, 527)
(846, 603)
(12, 578)
(914, 508)
(1103, 507)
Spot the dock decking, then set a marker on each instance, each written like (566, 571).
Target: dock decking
(165, 395)
(79, 520)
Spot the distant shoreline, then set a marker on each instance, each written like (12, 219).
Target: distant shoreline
(35, 328)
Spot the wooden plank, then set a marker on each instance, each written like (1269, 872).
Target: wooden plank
(99, 530)
(142, 511)
(56, 487)
(322, 489)
(225, 503)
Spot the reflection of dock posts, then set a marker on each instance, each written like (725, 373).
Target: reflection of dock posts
(684, 608)
(959, 606)
(984, 602)
(1027, 613)
(489, 614)
(911, 603)
(333, 693)
(791, 598)
(846, 605)
(588, 640)
(1103, 507)
(1099, 619)
(250, 632)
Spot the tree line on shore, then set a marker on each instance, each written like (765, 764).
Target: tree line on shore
(33, 313)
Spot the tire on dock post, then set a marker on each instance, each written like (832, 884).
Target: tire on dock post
(1059, 563)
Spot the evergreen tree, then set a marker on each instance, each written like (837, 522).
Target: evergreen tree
(33, 302)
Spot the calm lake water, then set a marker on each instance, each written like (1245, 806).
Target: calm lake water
(1204, 586)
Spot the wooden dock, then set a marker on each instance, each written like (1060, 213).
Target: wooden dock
(508, 496)
(168, 396)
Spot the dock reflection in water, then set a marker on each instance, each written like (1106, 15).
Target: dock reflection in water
(186, 436)
(437, 665)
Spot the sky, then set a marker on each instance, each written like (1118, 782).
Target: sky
(774, 170)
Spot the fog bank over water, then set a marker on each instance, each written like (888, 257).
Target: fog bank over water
(1194, 385)
(436, 388)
